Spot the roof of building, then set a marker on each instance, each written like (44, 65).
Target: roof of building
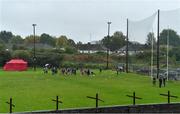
(132, 47)
(94, 47)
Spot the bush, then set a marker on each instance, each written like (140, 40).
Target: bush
(21, 54)
(101, 53)
(5, 56)
(83, 65)
(45, 57)
(70, 50)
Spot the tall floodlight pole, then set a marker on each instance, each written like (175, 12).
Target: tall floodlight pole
(108, 45)
(168, 54)
(158, 46)
(34, 58)
(152, 51)
(127, 41)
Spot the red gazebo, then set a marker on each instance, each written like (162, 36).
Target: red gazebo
(15, 65)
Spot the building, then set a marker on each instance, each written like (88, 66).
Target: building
(133, 48)
(91, 48)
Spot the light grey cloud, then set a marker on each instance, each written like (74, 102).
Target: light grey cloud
(76, 18)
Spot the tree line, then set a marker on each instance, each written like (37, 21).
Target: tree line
(7, 38)
(18, 46)
(114, 42)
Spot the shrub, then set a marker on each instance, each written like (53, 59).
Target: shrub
(21, 54)
(5, 56)
(70, 50)
(48, 57)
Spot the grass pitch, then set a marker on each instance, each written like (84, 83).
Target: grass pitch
(35, 90)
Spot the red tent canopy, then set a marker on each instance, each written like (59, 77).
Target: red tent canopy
(15, 65)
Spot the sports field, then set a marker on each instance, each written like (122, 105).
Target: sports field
(35, 90)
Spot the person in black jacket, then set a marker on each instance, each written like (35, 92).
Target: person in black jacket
(160, 80)
(154, 81)
(164, 81)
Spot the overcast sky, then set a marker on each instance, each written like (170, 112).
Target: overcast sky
(76, 19)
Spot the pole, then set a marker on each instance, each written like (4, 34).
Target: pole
(107, 66)
(152, 43)
(89, 44)
(134, 99)
(10, 105)
(127, 40)
(168, 97)
(168, 55)
(96, 100)
(57, 99)
(158, 45)
(34, 58)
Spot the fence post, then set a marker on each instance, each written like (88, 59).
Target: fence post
(134, 98)
(168, 95)
(97, 100)
(57, 102)
(11, 105)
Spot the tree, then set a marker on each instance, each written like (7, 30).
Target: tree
(21, 54)
(79, 43)
(6, 36)
(30, 39)
(175, 52)
(47, 39)
(174, 39)
(150, 38)
(71, 43)
(16, 40)
(2, 45)
(5, 56)
(114, 42)
(70, 50)
(52, 58)
(62, 41)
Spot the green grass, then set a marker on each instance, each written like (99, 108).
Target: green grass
(34, 90)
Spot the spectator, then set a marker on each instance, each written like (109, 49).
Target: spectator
(100, 70)
(164, 81)
(45, 69)
(160, 80)
(154, 81)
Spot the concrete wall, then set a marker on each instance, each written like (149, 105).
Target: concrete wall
(150, 108)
